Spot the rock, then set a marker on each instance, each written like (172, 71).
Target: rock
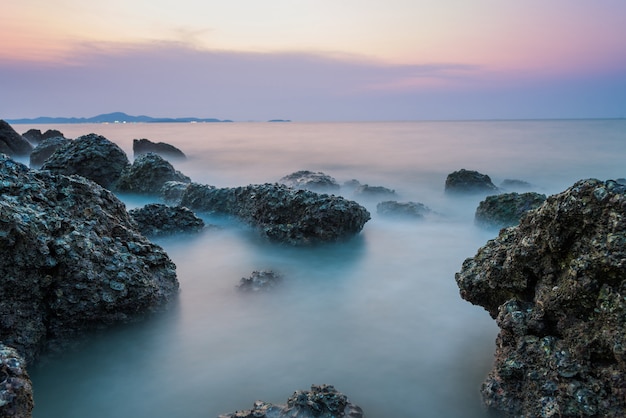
(45, 149)
(556, 286)
(157, 219)
(468, 181)
(621, 180)
(262, 280)
(147, 175)
(16, 389)
(322, 401)
(515, 185)
(364, 190)
(280, 213)
(145, 146)
(309, 180)
(506, 209)
(91, 156)
(392, 208)
(12, 143)
(172, 192)
(71, 260)
(34, 136)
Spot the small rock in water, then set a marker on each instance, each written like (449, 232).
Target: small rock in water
(260, 280)
(309, 180)
(391, 208)
(469, 181)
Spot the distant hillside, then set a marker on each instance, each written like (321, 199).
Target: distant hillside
(115, 117)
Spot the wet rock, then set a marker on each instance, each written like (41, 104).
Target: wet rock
(261, 280)
(16, 389)
(145, 146)
(34, 136)
(91, 156)
(367, 191)
(322, 401)
(309, 180)
(45, 149)
(556, 286)
(506, 209)
(172, 192)
(469, 181)
(71, 260)
(157, 219)
(281, 213)
(515, 185)
(147, 175)
(392, 208)
(12, 143)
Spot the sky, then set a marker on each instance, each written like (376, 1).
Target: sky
(314, 60)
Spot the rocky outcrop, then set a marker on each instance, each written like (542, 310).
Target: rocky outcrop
(157, 219)
(34, 136)
(392, 208)
(469, 181)
(322, 401)
(556, 286)
(145, 146)
(91, 156)
(374, 192)
(260, 280)
(147, 175)
(71, 260)
(506, 209)
(309, 180)
(16, 389)
(515, 185)
(281, 213)
(45, 149)
(12, 143)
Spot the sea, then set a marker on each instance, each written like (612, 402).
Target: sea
(379, 316)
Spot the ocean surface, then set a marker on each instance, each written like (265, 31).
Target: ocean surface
(379, 317)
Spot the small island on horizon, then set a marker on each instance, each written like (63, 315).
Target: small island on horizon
(115, 117)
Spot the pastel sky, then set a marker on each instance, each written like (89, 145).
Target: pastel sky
(314, 59)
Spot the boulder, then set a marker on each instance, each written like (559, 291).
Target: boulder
(34, 136)
(469, 181)
(157, 219)
(515, 185)
(309, 180)
(147, 175)
(367, 191)
(506, 209)
(322, 401)
(172, 192)
(45, 149)
(16, 389)
(91, 156)
(71, 260)
(12, 143)
(556, 286)
(392, 208)
(261, 280)
(281, 213)
(145, 146)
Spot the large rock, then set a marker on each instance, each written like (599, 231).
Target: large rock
(12, 143)
(45, 149)
(16, 389)
(281, 213)
(309, 180)
(71, 260)
(506, 209)
(34, 136)
(556, 286)
(156, 219)
(147, 175)
(91, 156)
(469, 181)
(145, 146)
(322, 401)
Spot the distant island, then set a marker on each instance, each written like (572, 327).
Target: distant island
(115, 117)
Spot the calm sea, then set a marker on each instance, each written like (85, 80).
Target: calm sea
(379, 317)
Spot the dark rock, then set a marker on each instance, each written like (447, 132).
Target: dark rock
(12, 143)
(556, 285)
(147, 175)
(469, 181)
(145, 146)
(156, 219)
(34, 136)
(45, 149)
(506, 209)
(621, 180)
(172, 192)
(262, 280)
(280, 213)
(322, 401)
(91, 156)
(392, 208)
(71, 260)
(309, 180)
(364, 190)
(515, 185)
(16, 389)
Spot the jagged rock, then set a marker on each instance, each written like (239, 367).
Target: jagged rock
(364, 190)
(172, 192)
(145, 146)
(12, 143)
(71, 260)
(91, 156)
(515, 185)
(469, 181)
(157, 219)
(280, 213)
(34, 136)
(392, 208)
(556, 285)
(309, 180)
(260, 281)
(16, 389)
(322, 401)
(506, 209)
(147, 175)
(45, 149)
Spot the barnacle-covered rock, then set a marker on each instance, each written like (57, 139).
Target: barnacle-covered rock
(157, 219)
(506, 209)
(556, 286)
(16, 389)
(147, 175)
(316, 181)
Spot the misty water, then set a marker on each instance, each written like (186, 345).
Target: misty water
(379, 317)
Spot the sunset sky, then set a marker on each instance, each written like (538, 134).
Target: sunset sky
(314, 59)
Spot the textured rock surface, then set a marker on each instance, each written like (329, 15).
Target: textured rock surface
(34, 136)
(147, 175)
(469, 181)
(145, 146)
(45, 149)
(506, 209)
(91, 156)
(322, 401)
(556, 285)
(71, 260)
(16, 389)
(12, 143)
(392, 208)
(260, 280)
(316, 181)
(156, 219)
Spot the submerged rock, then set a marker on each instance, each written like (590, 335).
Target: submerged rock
(309, 180)
(12, 143)
(147, 175)
(261, 280)
(322, 401)
(506, 209)
(515, 185)
(45, 149)
(157, 219)
(469, 181)
(145, 146)
(365, 190)
(392, 208)
(556, 286)
(16, 389)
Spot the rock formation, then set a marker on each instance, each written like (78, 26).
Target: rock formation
(506, 209)
(16, 389)
(367, 191)
(309, 180)
(157, 219)
(145, 146)
(34, 136)
(469, 181)
(12, 143)
(392, 208)
(260, 280)
(45, 149)
(147, 175)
